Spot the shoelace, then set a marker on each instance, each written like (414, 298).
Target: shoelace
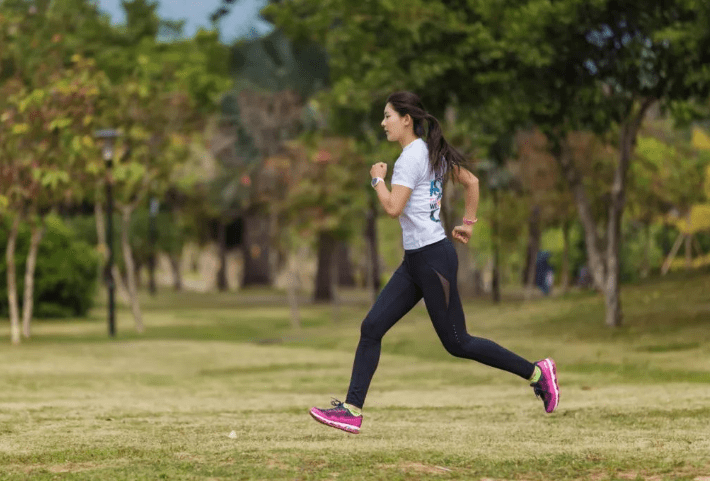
(539, 391)
(338, 406)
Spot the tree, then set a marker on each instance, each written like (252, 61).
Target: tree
(156, 116)
(602, 66)
(498, 180)
(374, 48)
(325, 195)
(52, 124)
(564, 66)
(49, 106)
(274, 77)
(667, 174)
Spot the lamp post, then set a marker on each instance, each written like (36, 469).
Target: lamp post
(108, 137)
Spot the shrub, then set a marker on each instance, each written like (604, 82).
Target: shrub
(66, 274)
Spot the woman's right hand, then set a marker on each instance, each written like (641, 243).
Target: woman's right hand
(462, 233)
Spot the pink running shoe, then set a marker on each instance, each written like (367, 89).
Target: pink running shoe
(547, 388)
(338, 417)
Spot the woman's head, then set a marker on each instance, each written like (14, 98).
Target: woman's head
(405, 115)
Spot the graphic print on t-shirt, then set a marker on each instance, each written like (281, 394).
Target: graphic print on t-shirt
(435, 193)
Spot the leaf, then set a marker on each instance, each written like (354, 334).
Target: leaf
(53, 178)
(60, 123)
(19, 129)
(701, 140)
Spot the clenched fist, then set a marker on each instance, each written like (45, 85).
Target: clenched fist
(378, 170)
(462, 233)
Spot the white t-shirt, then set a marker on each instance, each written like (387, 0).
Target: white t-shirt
(420, 220)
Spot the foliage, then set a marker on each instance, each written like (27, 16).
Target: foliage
(50, 127)
(639, 243)
(552, 241)
(668, 173)
(66, 274)
(273, 78)
(325, 186)
(274, 63)
(171, 230)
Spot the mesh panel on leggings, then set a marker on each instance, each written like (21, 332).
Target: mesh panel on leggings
(446, 286)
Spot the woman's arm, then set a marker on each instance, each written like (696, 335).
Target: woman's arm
(463, 233)
(470, 183)
(395, 201)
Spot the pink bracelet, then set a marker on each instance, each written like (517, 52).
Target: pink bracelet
(469, 222)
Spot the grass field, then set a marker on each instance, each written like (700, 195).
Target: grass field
(635, 401)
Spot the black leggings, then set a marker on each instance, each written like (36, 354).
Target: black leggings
(428, 272)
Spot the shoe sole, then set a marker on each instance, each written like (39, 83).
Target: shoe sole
(334, 424)
(552, 369)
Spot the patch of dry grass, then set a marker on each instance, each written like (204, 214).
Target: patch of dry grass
(633, 405)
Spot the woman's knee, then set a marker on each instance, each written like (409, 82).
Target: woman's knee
(370, 329)
(462, 344)
(455, 347)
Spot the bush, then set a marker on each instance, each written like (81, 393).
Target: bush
(66, 274)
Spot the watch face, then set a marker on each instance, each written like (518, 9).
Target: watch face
(375, 181)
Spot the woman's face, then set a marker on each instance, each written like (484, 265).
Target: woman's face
(395, 125)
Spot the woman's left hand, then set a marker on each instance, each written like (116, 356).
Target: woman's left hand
(462, 233)
(379, 170)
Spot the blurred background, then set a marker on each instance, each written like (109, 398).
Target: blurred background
(150, 146)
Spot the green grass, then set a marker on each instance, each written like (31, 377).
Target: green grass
(635, 401)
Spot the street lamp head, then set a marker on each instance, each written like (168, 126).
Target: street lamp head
(108, 136)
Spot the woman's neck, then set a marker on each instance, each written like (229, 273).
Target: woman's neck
(407, 139)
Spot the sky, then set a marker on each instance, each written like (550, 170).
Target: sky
(242, 21)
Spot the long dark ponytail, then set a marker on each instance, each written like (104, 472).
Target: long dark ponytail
(442, 156)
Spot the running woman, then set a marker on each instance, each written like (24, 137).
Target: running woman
(430, 263)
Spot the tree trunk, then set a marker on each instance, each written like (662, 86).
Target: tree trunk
(334, 274)
(346, 276)
(564, 281)
(103, 247)
(139, 278)
(12, 281)
(371, 240)
(324, 273)
(629, 131)
(533, 248)
(175, 269)
(130, 268)
(257, 268)
(495, 282)
(605, 270)
(292, 290)
(596, 266)
(466, 278)
(222, 282)
(688, 245)
(674, 250)
(28, 304)
(646, 263)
